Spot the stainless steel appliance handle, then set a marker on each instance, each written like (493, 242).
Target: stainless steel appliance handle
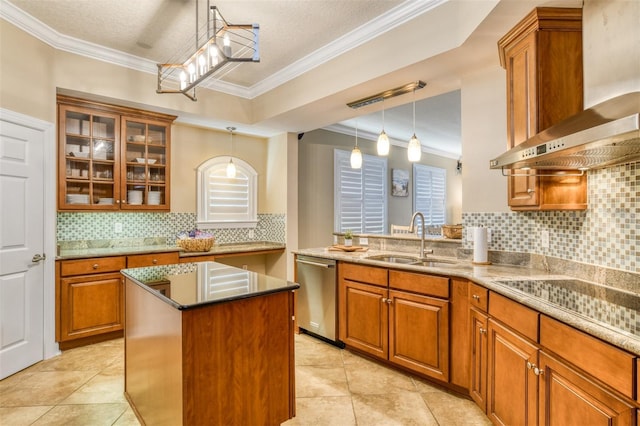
(307, 262)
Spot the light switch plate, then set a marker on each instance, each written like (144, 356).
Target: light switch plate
(364, 241)
(117, 228)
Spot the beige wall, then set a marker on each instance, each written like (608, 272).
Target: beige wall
(192, 146)
(315, 191)
(484, 136)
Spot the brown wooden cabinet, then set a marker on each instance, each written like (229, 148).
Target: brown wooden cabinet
(542, 56)
(90, 296)
(112, 158)
(478, 350)
(396, 316)
(568, 397)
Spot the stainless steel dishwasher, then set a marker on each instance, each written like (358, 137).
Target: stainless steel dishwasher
(317, 302)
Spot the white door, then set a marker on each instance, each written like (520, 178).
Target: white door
(21, 242)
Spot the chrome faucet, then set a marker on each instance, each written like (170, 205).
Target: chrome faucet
(424, 228)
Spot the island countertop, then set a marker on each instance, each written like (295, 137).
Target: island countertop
(191, 285)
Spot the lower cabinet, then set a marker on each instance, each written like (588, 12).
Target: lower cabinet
(406, 328)
(478, 364)
(568, 397)
(512, 388)
(91, 305)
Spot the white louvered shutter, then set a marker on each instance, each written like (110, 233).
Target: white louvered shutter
(429, 192)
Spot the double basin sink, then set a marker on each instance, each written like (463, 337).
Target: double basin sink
(411, 260)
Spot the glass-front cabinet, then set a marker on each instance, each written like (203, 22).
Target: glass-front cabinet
(145, 163)
(112, 158)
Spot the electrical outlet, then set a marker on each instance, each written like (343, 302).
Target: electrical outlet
(252, 234)
(544, 239)
(488, 235)
(470, 234)
(364, 241)
(117, 228)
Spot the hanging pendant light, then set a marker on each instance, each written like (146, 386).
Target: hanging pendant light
(383, 139)
(356, 154)
(231, 168)
(414, 151)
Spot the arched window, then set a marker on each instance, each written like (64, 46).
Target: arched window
(227, 202)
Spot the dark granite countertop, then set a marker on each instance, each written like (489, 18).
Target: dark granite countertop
(620, 325)
(192, 285)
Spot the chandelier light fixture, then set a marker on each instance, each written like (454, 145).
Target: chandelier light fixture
(231, 168)
(383, 139)
(414, 150)
(356, 154)
(218, 46)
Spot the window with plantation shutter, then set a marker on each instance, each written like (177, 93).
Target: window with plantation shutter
(227, 202)
(360, 195)
(430, 187)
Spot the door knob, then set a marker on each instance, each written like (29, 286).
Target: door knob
(38, 257)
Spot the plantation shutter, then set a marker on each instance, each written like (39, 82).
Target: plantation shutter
(360, 200)
(227, 197)
(429, 193)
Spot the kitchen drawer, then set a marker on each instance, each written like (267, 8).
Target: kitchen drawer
(429, 285)
(153, 259)
(514, 315)
(478, 297)
(363, 274)
(96, 265)
(607, 363)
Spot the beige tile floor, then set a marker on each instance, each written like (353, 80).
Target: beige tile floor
(84, 386)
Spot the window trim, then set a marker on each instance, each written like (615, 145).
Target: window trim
(202, 173)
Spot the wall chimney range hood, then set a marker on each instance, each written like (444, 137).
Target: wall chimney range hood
(604, 135)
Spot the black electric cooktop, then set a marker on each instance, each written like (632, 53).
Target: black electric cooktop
(611, 307)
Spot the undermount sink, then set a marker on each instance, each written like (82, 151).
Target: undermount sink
(395, 258)
(410, 260)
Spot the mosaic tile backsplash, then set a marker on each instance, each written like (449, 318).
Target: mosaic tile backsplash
(607, 234)
(101, 226)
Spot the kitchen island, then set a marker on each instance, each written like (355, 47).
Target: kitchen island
(206, 343)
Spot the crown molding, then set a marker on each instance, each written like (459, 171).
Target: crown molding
(364, 134)
(386, 22)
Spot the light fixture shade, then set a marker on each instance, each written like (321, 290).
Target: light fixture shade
(356, 158)
(383, 143)
(414, 150)
(231, 169)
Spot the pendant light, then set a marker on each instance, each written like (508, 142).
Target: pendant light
(231, 168)
(414, 151)
(356, 155)
(383, 139)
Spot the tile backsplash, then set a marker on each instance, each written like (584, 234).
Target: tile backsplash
(607, 234)
(101, 226)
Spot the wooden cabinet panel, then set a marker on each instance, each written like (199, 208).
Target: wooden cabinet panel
(364, 317)
(478, 352)
(419, 333)
(478, 297)
(515, 315)
(542, 56)
(153, 259)
(568, 398)
(512, 388)
(459, 345)
(364, 274)
(609, 364)
(430, 285)
(97, 265)
(91, 305)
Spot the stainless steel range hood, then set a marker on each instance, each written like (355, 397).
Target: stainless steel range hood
(604, 135)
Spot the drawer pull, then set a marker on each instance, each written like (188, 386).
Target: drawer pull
(96, 266)
(476, 297)
(154, 261)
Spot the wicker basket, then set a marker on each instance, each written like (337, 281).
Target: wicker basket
(452, 231)
(195, 244)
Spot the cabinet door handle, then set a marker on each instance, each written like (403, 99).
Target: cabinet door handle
(530, 191)
(384, 300)
(537, 371)
(529, 365)
(483, 330)
(389, 301)
(96, 266)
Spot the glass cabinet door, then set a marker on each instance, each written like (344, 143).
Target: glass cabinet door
(87, 166)
(145, 164)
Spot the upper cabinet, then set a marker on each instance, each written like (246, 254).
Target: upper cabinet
(542, 55)
(112, 158)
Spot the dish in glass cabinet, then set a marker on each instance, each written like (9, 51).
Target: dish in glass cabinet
(79, 154)
(136, 138)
